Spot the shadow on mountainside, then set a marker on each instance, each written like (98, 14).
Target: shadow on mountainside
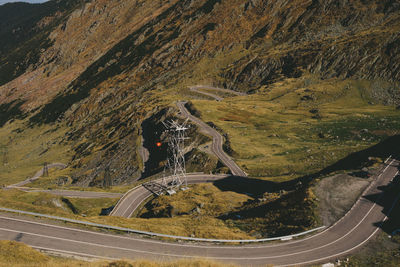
(254, 187)
(290, 213)
(354, 161)
(152, 132)
(358, 159)
(245, 185)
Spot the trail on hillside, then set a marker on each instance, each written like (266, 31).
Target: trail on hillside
(64, 193)
(38, 174)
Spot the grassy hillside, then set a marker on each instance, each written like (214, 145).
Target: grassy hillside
(24, 150)
(237, 206)
(300, 126)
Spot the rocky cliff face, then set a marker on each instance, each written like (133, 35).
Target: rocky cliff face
(357, 39)
(99, 63)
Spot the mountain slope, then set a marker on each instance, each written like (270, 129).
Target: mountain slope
(104, 66)
(24, 34)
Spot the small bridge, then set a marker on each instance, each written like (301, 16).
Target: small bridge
(155, 188)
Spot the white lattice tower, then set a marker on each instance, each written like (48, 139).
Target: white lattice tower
(176, 155)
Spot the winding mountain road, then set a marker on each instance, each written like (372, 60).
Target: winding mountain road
(38, 174)
(135, 197)
(77, 194)
(217, 143)
(347, 235)
(351, 232)
(197, 88)
(59, 192)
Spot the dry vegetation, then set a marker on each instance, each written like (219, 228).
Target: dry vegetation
(54, 205)
(256, 216)
(200, 200)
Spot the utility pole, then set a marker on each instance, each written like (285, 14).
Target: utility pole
(107, 183)
(176, 156)
(4, 152)
(45, 170)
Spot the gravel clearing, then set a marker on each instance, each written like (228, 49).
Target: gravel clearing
(337, 194)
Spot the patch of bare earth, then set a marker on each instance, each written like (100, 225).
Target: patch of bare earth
(337, 194)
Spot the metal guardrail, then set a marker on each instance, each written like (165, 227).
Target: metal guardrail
(128, 230)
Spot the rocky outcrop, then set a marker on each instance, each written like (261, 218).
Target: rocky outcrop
(361, 41)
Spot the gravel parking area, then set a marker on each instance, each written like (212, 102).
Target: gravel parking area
(337, 194)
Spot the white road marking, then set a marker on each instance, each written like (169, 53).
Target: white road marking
(95, 244)
(74, 253)
(228, 258)
(130, 215)
(173, 244)
(161, 242)
(350, 249)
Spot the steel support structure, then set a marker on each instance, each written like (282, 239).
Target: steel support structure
(175, 167)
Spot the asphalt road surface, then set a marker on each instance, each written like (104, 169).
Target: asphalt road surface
(218, 140)
(197, 88)
(348, 234)
(78, 194)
